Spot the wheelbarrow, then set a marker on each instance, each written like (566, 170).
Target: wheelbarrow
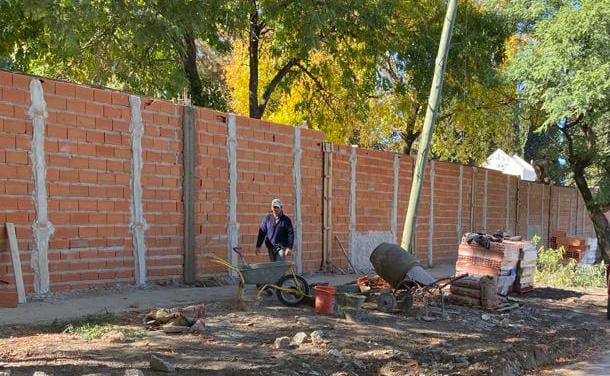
(406, 276)
(290, 288)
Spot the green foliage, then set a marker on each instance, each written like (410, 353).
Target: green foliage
(140, 46)
(93, 327)
(553, 271)
(563, 67)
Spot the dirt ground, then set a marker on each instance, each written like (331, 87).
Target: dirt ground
(550, 326)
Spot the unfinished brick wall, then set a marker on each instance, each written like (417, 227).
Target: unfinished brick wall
(89, 159)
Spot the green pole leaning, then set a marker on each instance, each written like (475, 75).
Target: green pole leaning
(426, 135)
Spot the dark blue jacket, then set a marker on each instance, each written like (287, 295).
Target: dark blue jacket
(275, 234)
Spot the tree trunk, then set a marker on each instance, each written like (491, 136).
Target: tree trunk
(254, 36)
(191, 72)
(408, 138)
(600, 222)
(602, 231)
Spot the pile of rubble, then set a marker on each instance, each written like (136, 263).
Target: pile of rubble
(177, 320)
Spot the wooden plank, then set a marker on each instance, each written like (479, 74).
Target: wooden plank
(327, 149)
(12, 238)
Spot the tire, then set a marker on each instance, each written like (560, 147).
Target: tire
(386, 302)
(287, 282)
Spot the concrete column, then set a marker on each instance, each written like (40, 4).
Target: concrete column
(42, 228)
(394, 219)
(507, 205)
(431, 216)
(233, 225)
(298, 230)
(458, 227)
(138, 224)
(353, 159)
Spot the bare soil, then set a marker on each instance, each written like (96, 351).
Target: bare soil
(551, 325)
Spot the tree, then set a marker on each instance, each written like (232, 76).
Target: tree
(291, 32)
(563, 68)
(323, 100)
(157, 48)
(476, 103)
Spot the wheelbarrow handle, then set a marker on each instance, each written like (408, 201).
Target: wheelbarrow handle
(450, 280)
(241, 256)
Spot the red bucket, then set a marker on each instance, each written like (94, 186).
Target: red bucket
(325, 299)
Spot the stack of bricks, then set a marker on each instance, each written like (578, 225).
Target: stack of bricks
(574, 247)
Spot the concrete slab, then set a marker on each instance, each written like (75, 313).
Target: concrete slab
(73, 306)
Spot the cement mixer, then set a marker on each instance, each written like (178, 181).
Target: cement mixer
(406, 276)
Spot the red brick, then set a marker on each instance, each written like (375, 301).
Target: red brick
(85, 121)
(14, 126)
(94, 109)
(76, 105)
(77, 134)
(106, 151)
(103, 123)
(65, 89)
(95, 136)
(6, 78)
(66, 118)
(6, 109)
(104, 96)
(120, 98)
(18, 157)
(55, 102)
(84, 93)
(60, 131)
(15, 96)
(7, 141)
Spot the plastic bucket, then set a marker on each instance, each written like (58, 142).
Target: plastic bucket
(325, 299)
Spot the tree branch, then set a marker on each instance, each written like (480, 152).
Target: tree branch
(273, 84)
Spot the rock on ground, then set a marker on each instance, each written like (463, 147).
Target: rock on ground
(399, 369)
(299, 338)
(282, 343)
(159, 364)
(133, 372)
(317, 337)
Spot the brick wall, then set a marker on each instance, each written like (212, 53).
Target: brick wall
(89, 162)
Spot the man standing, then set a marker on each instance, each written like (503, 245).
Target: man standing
(277, 233)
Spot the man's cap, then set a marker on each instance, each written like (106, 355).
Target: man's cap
(276, 203)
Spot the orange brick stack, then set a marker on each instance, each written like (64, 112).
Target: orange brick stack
(574, 247)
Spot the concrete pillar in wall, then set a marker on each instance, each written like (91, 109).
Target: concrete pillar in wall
(138, 224)
(353, 159)
(394, 219)
(458, 227)
(42, 228)
(233, 225)
(431, 216)
(298, 228)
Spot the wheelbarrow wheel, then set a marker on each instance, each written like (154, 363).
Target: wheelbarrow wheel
(386, 302)
(295, 282)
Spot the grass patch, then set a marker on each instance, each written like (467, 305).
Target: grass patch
(93, 327)
(553, 271)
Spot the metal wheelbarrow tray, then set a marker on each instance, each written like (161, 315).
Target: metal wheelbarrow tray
(264, 272)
